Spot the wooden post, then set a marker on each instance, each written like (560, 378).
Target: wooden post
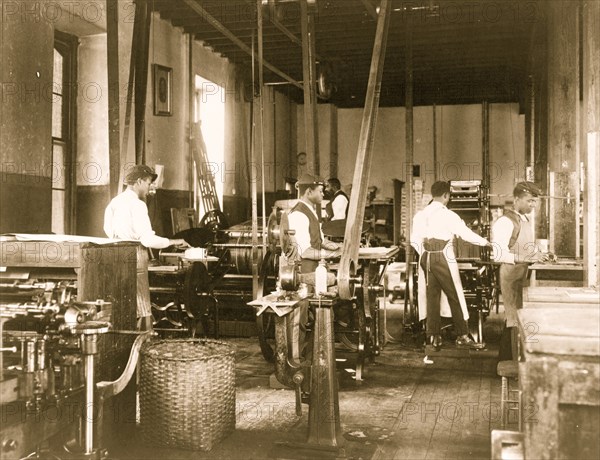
(591, 145)
(309, 73)
(409, 126)
(563, 124)
(112, 51)
(538, 68)
(364, 156)
(141, 42)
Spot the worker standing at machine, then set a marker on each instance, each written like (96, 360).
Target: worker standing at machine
(433, 232)
(126, 218)
(513, 240)
(337, 208)
(310, 244)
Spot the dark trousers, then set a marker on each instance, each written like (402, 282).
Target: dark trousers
(439, 279)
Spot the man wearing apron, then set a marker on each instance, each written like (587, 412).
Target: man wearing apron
(433, 233)
(126, 218)
(514, 247)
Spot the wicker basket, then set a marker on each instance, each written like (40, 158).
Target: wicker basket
(187, 393)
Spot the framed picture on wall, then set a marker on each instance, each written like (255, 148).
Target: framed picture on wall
(163, 90)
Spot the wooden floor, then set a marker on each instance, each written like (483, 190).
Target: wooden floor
(404, 409)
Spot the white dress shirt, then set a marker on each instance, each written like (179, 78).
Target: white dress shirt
(126, 218)
(501, 233)
(339, 206)
(299, 222)
(437, 221)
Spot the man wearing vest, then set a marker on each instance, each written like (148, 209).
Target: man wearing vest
(309, 247)
(514, 246)
(337, 208)
(310, 242)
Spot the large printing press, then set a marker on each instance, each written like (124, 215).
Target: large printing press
(64, 303)
(69, 343)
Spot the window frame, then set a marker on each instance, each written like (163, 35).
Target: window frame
(66, 45)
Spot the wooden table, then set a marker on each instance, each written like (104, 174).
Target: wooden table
(560, 382)
(566, 272)
(535, 297)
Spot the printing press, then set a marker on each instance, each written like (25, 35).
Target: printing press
(68, 327)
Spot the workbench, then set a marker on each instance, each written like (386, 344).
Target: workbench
(564, 273)
(537, 297)
(560, 381)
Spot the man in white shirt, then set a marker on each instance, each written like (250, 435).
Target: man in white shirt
(433, 232)
(310, 243)
(126, 218)
(514, 246)
(308, 246)
(337, 208)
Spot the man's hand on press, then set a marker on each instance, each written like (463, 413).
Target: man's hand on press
(540, 258)
(179, 243)
(330, 245)
(331, 250)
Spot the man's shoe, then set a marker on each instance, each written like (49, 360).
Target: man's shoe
(436, 342)
(464, 341)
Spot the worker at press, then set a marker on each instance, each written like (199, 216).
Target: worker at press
(337, 208)
(514, 247)
(433, 233)
(126, 218)
(309, 242)
(308, 246)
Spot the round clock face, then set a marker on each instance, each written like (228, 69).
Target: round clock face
(301, 158)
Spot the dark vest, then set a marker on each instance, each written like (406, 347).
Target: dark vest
(314, 230)
(515, 218)
(522, 241)
(329, 207)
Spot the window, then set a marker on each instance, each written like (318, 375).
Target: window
(209, 110)
(63, 135)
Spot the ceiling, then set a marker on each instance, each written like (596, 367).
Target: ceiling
(463, 51)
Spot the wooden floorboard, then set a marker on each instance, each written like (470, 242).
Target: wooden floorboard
(404, 409)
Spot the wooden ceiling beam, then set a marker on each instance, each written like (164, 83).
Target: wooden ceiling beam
(199, 10)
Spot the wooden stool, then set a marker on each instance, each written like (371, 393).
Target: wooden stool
(510, 399)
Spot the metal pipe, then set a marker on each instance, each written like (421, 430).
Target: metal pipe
(408, 96)
(29, 356)
(191, 114)
(280, 83)
(435, 176)
(41, 355)
(89, 402)
(262, 114)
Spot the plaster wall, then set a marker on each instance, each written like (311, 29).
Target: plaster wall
(458, 143)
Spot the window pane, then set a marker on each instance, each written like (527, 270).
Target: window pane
(58, 72)
(59, 171)
(57, 119)
(58, 211)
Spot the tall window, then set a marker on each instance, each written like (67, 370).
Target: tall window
(209, 108)
(63, 127)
